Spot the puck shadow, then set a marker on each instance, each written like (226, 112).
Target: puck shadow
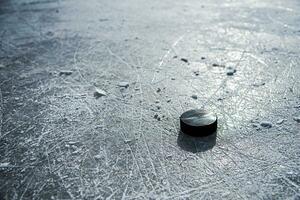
(196, 144)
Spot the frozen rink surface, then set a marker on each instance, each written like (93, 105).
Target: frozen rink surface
(91, 92)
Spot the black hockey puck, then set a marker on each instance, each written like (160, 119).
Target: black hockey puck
(198, 123)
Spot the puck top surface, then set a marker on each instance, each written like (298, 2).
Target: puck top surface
(198, 122)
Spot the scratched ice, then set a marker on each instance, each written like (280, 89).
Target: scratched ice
(58, 141)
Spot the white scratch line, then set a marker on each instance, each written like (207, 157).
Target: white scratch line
(168, 52)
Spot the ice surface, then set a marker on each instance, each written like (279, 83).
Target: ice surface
(63, 143)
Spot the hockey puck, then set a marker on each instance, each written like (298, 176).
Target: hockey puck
(198, 123)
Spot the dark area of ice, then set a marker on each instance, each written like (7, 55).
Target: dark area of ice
(81, 116)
